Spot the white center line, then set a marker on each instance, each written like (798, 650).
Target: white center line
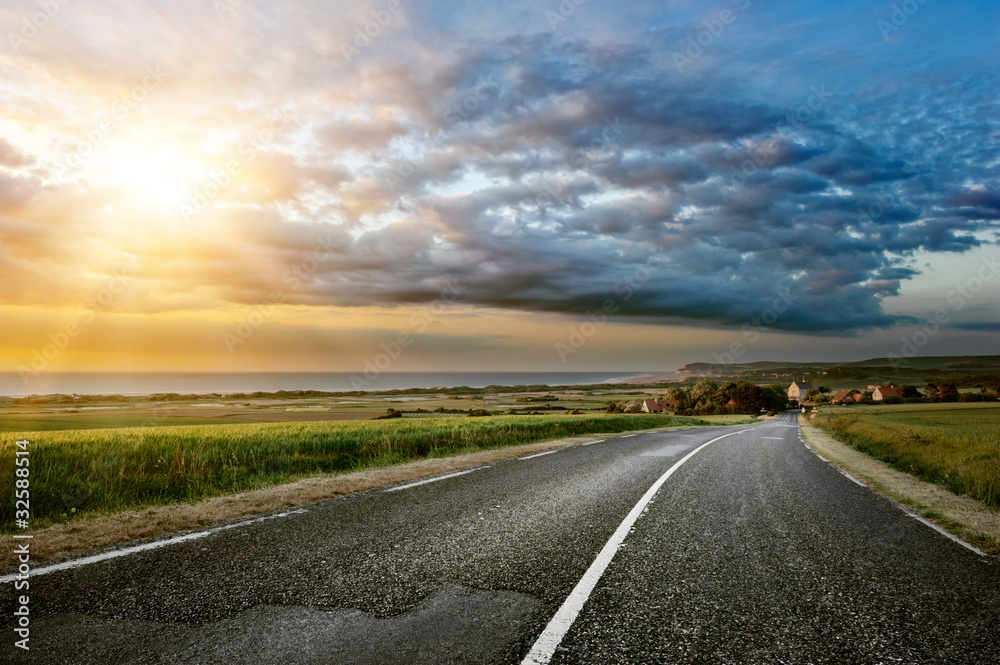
(547, 452)
(546, 644)
(430, 480)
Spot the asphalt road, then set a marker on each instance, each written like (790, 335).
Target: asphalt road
(753, 551)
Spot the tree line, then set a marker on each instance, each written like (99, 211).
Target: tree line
(710, 398)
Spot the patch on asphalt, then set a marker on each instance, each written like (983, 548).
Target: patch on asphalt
(456, 624)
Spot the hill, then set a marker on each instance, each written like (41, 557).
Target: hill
(962, 370)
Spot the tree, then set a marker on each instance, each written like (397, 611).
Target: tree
(775, 398)
(749, 398)
(705, 392)
(680, 395)
(909, 392)
(931, 390)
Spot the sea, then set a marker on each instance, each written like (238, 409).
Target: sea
(13, 384)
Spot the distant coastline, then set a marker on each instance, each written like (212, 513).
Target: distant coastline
(654, 377)
(147, 383)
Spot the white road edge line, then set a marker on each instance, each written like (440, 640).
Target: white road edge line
(836, 468)
(104, 556)
(545, 646)
(626, 436)
(906, 509)
(430, 480)
(547, 452)
(923, 520)
(850, 476)
(590, 443)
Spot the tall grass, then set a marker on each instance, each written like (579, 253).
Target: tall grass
(957, 448)
(73, 472)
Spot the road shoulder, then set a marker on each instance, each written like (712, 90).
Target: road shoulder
(962, 516)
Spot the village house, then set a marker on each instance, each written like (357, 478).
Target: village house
(846, 397)
(658, 405)
(797, 391)
(881, 392)
(840, 396)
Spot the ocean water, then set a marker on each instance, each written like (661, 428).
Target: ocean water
(135, 383)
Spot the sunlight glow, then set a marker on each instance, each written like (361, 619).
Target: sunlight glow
(153, 173)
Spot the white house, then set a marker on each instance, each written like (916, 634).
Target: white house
(798, 390)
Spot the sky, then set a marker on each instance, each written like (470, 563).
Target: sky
(581, 185)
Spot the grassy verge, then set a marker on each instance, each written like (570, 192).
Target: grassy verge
(104, 471)
(956, 448)
(963, 516)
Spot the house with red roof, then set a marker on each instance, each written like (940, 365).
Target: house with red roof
(881, 392)
(845, 397)
(658, 405)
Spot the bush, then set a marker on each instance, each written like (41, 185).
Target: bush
(977, 397)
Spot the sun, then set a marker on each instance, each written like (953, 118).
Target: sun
(152, 173)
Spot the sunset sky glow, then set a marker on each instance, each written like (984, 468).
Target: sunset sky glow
(198, 185)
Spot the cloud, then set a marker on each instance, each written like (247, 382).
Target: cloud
(544, 173)
(978, 326)
(12, 157)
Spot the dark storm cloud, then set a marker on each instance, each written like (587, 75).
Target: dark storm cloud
(547, 175)
(978, 326)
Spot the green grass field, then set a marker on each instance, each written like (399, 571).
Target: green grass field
(119, 413)
(79, 471)
(954, 445)
(84, 421)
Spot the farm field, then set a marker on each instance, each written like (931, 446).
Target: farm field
(205, 410)
(107, 470)
(954, 445)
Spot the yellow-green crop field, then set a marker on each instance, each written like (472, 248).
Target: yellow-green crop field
(954, 445)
